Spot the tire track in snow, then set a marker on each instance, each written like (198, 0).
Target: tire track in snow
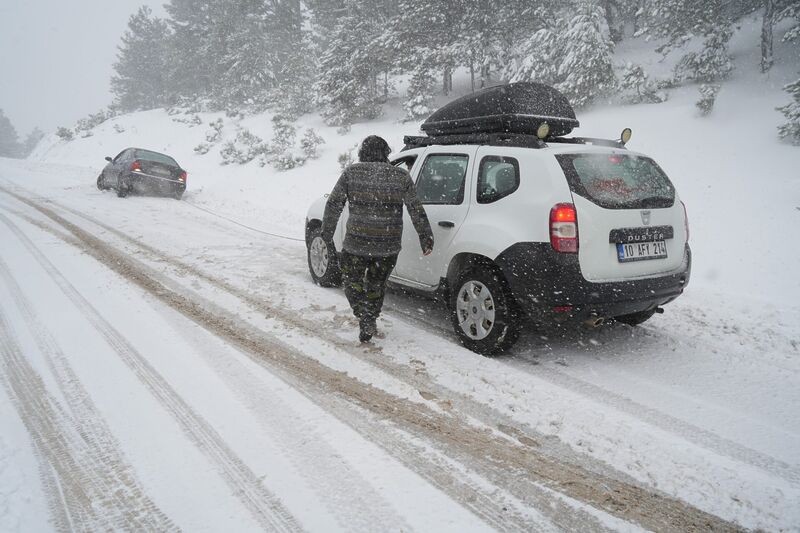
(82, 493)
(268, 511)
(685, 430)
(627, 501)
(551, 506)
(102, 453)
(350, 498)
(470, 493)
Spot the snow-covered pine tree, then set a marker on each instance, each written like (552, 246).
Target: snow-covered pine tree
(790, 130)
(31, 141)
(535, 55)
(295, 55)
(140, 75)
(428, 32)
(9, 142)
(679, 20)
(791, 11)
(712, 63)
(347, 85)
(419, 94)
(248, 62)
(586, 71)
(196, 46)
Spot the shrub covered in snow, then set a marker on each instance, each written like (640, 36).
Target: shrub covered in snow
(243, 149)
(212, 137)
(279, 152)
(90, 122)
(635, 79)
(347, 158)
(708, 95)
(65, 134)
(193, 120)
(310, 142)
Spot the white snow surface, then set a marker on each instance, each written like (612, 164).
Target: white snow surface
(701, 403)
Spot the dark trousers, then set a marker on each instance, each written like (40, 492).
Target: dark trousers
(365, 282)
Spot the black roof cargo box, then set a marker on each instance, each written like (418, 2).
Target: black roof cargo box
(513, 108)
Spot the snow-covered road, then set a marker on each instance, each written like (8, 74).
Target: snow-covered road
(165, 368)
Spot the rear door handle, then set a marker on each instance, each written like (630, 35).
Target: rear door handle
(447, 224)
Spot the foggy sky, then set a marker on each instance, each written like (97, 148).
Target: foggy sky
(56, 57)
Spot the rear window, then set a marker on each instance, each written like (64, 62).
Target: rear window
(156, 157)
(618, 181)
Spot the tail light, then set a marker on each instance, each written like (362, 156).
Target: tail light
(136, 167)
(564, 228)
(685, 220)
(183, 176)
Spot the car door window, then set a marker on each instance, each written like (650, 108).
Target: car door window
(497, 178)
(441, 180)
(120, 157)
(406, 163)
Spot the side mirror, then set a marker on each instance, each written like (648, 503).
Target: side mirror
(109, 159)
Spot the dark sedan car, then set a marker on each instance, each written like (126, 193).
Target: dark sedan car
(136, 169)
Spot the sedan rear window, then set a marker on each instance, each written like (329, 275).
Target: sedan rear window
(618, 181)
(147, 155)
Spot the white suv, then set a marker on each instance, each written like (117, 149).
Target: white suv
(566, 228)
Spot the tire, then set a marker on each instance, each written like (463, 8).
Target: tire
(177, 195)
(634, 319)
(122, 188)
(101, 182)
(483, 310)
(323, 263)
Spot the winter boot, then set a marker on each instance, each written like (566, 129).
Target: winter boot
(367, 329)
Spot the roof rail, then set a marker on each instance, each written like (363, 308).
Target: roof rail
(491, 139)
(519, 140)
(587, 140)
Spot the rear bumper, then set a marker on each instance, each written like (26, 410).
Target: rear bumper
(543, 280)
(149, 180)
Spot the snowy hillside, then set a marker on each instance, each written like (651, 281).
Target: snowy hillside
(176, 367)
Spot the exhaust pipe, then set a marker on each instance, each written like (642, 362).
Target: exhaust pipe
(594, 322)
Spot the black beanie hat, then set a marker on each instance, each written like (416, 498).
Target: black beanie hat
(374, 150)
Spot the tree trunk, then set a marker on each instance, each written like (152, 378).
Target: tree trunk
(766, 35)
(472, 71)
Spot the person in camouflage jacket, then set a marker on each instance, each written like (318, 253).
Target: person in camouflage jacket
(376, 192)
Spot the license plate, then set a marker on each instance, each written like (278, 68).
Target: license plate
(161, 171)
(641, 251)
